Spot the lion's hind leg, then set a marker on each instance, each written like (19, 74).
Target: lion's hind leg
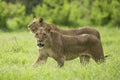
(97, 54)
(84, 59)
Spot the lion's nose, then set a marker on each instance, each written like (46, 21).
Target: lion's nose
(39, 40)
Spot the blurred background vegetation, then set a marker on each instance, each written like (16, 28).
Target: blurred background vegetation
(17, 14)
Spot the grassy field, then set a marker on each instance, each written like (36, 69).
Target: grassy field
(18, 51)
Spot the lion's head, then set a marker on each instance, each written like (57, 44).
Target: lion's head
(35, 24)
(42, 35)
(39, 22)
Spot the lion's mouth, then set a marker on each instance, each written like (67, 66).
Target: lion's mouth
(40, 45)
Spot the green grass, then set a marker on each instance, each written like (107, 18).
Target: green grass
(18, 51)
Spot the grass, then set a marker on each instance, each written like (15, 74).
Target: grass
(18, 51)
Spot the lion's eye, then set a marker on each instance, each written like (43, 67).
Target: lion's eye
(33, 30)
(44, 34)
(36, 34)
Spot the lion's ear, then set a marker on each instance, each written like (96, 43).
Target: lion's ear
(34, 17)
(40, 20)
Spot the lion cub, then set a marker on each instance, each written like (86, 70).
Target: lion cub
(63, 47)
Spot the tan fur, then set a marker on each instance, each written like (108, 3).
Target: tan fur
(36, 23)
(67, 47)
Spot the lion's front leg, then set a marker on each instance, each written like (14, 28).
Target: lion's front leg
(41, 59)
(60, 61)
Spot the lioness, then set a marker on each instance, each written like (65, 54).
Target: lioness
(39, 22)
(63, 47)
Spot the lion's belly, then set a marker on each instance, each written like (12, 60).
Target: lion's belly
(70, 56)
